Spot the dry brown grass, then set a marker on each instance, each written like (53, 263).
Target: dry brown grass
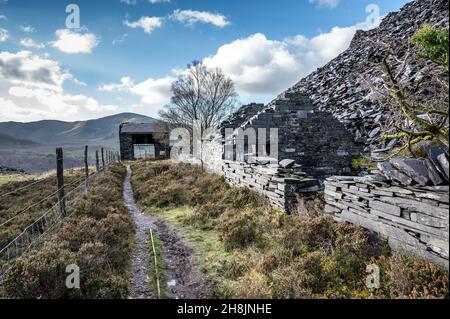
(97, 237)
(269, 254)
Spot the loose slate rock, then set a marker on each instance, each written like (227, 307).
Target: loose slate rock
(375, 132)
(433, 153)
(433, 173)
(391, 173)
(443, 160)
(414, 168)
(286, 163)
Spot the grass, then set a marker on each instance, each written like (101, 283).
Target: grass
(98, 236)
(33, 199)
(14, 177)
(249, 249)
(210, 250)
(157, 272)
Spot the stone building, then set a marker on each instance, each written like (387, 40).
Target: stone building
(144, 140)
(295, 148)
(318, 143)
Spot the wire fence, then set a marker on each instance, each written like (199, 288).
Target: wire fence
(33, 234)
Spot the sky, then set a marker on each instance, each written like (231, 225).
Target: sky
(83, 59)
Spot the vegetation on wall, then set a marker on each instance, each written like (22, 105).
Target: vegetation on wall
(249, 249)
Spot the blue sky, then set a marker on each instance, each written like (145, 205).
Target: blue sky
(127, 52)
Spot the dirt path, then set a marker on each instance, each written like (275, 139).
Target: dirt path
(143, 223)
(183, 278)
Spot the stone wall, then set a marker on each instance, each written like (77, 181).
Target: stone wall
(126, 146)
(314, 139)
(278, 182)
(412, 218)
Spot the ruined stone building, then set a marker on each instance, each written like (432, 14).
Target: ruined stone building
(329, 118)
(144, 140)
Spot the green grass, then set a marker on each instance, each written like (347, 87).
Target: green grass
(157, 272)
(210, 250)
(246, 248)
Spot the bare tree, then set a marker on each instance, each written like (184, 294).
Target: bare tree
(200, 94)
(416, 94)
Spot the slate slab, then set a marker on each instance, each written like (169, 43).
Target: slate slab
(388, 170)
(443, 160)
(414, 168)
(286, 163)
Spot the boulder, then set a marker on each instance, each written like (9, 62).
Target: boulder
(414, 168)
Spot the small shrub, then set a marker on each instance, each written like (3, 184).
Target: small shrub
(253, 285)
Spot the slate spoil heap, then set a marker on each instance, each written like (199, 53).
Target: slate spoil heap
(340, 86)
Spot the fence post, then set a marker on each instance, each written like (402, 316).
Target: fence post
(86, 169)
(103, 159)
(60, 181)
(97, 161)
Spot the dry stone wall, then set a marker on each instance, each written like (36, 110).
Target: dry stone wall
(279, 184)
(413, 219)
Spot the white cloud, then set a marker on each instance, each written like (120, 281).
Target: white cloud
(3, 17)
(73, 42)
(148, 24)
(35, 90)
(155, 92)
(158, 1)
(190, 17)
(26, 69)
(4, 35)
(259, 65)
(27, 29)
(325, 3)
(30, 43)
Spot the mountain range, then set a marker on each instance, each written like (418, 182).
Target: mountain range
(52, 131)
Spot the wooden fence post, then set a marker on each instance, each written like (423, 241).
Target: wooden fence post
(103, 159)
(60, 181)
(86, 169)
(97, 161)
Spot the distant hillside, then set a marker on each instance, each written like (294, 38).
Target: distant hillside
(8, 141)
(51, 131)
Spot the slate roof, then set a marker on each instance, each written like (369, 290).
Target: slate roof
(142, 128)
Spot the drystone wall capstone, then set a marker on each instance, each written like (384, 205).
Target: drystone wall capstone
(414, 219)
